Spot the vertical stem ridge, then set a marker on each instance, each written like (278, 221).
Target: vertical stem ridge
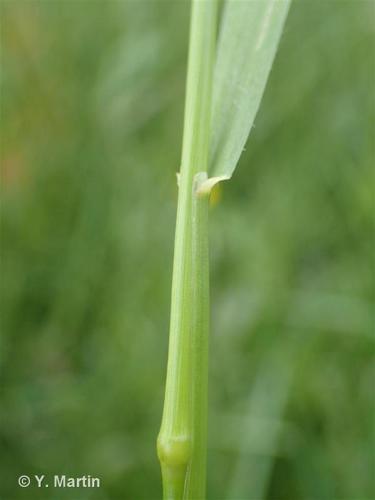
(196, 478)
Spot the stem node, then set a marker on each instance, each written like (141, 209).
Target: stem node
(174, 451)
(174, 454)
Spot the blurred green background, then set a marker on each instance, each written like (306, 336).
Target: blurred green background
(91, 119)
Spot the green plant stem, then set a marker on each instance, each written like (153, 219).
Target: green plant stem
(182, 437)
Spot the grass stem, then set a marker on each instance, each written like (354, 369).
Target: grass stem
(182, 437)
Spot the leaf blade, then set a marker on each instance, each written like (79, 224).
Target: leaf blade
(249, 36)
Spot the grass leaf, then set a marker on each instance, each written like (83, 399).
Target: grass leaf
(249, 35)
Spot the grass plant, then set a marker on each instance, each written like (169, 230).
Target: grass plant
(223, 93)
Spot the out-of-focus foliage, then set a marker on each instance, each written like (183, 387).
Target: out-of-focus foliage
(91, 119)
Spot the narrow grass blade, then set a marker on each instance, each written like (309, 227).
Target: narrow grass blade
(249, 35)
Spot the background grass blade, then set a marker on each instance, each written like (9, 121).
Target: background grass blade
(249, 35)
